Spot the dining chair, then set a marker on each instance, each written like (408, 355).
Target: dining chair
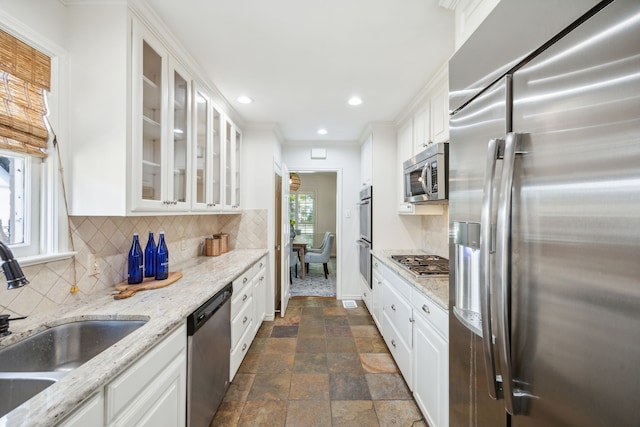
(320, 257)
(322, 245)
(294, 261)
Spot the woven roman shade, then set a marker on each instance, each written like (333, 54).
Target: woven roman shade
(24, 77)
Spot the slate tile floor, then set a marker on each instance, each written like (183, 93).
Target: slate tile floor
(320, 365)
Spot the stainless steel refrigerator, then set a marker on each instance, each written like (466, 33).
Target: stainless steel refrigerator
(545, 217)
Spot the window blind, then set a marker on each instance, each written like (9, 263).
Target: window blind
(25, 75)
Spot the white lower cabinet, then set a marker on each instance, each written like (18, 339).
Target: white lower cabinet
(150, 392)
(153, 391)
(91, 413)
(431, 373)
(248, 307)
(416, 331)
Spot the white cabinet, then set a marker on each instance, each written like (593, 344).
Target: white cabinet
(377, 282)
(131, 149)
(153, 390)
(161, 126)
(233, 155)
(90, 413)
(439, 112)
(431, 360)
(422, 128)
(247, 311)
(207, 156)
(416, 331)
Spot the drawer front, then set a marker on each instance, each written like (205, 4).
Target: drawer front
(241, 322)
(399, 284)
(399, 312)
(431, 312)
(377, 266)
(401, 353)
(241, 349)
(243, 281)
(260, 264)
(240, 300)
(125, 388)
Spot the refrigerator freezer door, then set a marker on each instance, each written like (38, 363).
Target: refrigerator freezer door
(471, 129)
(575, 242)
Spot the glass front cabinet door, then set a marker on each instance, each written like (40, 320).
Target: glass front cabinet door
(207, 159)
(233, 145)
(161, 128)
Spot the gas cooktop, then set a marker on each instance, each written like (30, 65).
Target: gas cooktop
(423, 265)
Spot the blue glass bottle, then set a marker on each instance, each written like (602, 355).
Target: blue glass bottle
(162, 259)
(135, 261)
(150, 257)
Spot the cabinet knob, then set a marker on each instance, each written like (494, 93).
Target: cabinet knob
(411, 320)
(245, 319)
(393, 343)
(376, 264)
(244, 347)
(425, 308)
(365, 294)
(244, 297)
(245, 280)
(393, 307)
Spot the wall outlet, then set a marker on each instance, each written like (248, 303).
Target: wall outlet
(92, 265)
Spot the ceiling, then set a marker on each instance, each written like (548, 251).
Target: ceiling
(301, 60)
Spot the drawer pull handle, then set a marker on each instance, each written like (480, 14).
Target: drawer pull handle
(393, 307)
(425, 308)
(393, 343)
(245, 280)
(244, 347)
(244, 297)
(376, 264)
(245, 319)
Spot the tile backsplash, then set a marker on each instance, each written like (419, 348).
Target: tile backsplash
(435, 233)
(109, 240)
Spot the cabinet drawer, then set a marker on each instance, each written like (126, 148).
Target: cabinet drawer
(431, 312)
(377, 266)
(240, 323)
(240, 300)
(399, 350)
(241, 349)
(241, 282)
(399, 284)
(260, 264)
(399, 312)
(126, 388)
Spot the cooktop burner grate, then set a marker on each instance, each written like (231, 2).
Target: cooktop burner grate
(423, 265)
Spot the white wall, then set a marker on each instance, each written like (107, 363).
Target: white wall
(345, 159)
(261, 150)
(323, 185)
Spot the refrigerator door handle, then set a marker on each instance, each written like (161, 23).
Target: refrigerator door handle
(503, 271)
(494, 151)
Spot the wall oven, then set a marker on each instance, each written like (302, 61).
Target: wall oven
(366, 234)
(426, 175)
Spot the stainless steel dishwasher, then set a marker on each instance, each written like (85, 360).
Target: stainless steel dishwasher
(208, 352)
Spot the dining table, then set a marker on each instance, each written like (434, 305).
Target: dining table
(300, 246)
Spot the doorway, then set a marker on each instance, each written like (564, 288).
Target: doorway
(313, 209)
(278, 238)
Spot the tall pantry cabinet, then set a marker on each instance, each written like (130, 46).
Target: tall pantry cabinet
(140, 142)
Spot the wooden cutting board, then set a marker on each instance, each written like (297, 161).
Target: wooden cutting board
(126, 290)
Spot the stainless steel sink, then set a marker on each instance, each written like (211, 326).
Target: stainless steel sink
(16, 391)
(33, 364)
(65, 347)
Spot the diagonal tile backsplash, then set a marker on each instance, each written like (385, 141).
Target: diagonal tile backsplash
(109, 240)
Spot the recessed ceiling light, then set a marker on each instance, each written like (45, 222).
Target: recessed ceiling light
(355, 100)
(244, 100)
(322, 132)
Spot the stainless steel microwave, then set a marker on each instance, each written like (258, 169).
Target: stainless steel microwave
(426, 175)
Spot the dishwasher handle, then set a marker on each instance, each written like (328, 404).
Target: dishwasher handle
(208, 309)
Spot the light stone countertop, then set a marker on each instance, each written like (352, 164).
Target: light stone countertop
(165, 308)
(435, 288)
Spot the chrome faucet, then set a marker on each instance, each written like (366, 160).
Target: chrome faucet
(11, 268)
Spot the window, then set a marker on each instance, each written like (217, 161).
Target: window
(302, 211)
(29, 221)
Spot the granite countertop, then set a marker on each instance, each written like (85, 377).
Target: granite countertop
(435, 288)
(165, 309)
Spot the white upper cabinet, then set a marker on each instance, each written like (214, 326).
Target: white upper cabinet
(161, 127)
(366, 161)
(207, 155)
(141, 142)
